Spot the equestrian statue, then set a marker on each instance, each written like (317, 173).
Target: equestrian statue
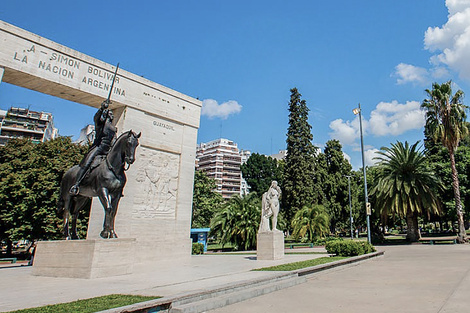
(100, 174)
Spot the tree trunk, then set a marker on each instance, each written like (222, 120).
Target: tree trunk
(412, 229)
(9, 248)
(461, 236)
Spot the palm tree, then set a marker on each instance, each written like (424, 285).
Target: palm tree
(311, 222)
(404, 186)
(445, 121)
(238, 221)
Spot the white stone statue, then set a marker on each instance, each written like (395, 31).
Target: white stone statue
(270, 208)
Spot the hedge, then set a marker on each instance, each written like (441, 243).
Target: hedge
(348, 247)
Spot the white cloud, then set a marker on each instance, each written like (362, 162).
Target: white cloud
(455, 6)
(387, 119)
(451, 41)
(345, 131)
(450, 45)
(393, 118)
(212, 109)
(439, 72)
(408, 73)
(369, 156)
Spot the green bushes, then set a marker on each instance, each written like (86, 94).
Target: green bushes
(198, 248)
(348, 247)
(324, 241)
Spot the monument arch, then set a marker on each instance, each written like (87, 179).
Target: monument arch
(155, 211)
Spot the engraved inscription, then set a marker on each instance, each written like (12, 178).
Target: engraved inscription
(163, 125)
(157, 178)
(23, 56)
(56, 69)
(102, 79)
(68, 67)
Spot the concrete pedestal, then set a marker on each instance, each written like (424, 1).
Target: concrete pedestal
(270, 245)
(84, 258)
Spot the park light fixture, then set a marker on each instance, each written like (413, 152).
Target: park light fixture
(350, 206)
(357, 111)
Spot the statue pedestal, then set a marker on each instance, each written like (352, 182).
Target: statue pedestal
(270, 245)
(84, 258)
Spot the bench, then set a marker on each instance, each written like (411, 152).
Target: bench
(310, 245)
(11, 260)
(433, 240)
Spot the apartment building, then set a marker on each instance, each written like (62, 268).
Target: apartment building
(221, 159)
(87, 135)
(24, 123)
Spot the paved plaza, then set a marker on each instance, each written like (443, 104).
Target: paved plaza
(19, 289)
(412, 278)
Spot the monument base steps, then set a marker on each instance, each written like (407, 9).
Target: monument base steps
(94, 258)
(270, 245)
(84, 258)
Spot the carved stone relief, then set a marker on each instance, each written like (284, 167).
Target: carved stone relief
(157, 181)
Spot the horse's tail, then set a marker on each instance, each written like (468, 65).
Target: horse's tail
(64, 190)
(60, 205)
(61, 201)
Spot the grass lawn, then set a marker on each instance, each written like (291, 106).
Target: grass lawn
(312, 252)
(217, 246)
(89, 305)
(301, 264)
(254, 253)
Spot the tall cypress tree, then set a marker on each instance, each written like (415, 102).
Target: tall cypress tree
(335, 185)
(299, 169)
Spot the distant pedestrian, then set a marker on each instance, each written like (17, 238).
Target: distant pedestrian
(32, 252)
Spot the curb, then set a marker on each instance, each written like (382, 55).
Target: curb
(327, 266)
(164, 304)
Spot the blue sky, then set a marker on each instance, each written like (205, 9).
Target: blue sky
(242, 58)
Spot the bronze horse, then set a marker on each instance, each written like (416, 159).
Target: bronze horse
(106, 181)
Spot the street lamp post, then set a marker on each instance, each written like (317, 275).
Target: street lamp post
(350, 206)
(366, 197)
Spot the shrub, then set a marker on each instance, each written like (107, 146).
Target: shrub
(348, 247)
(324, 241)
(198, 248)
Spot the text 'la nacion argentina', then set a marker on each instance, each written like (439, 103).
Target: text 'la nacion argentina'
(65, 67)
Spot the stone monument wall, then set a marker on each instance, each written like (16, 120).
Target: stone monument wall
(156, 207)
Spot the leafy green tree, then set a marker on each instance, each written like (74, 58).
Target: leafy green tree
(30, 176)
(299, 169)
(357, 198)
(438, 161)
(445, 121)
(237, 222)
(320, 176)
(405, 186)
(335, 185)
(205, 200)
(259, 171)
(310, 223)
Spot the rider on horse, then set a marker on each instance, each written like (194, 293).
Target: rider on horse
(105, 133)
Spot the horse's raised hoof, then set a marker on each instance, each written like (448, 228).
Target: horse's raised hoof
(104, 234)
